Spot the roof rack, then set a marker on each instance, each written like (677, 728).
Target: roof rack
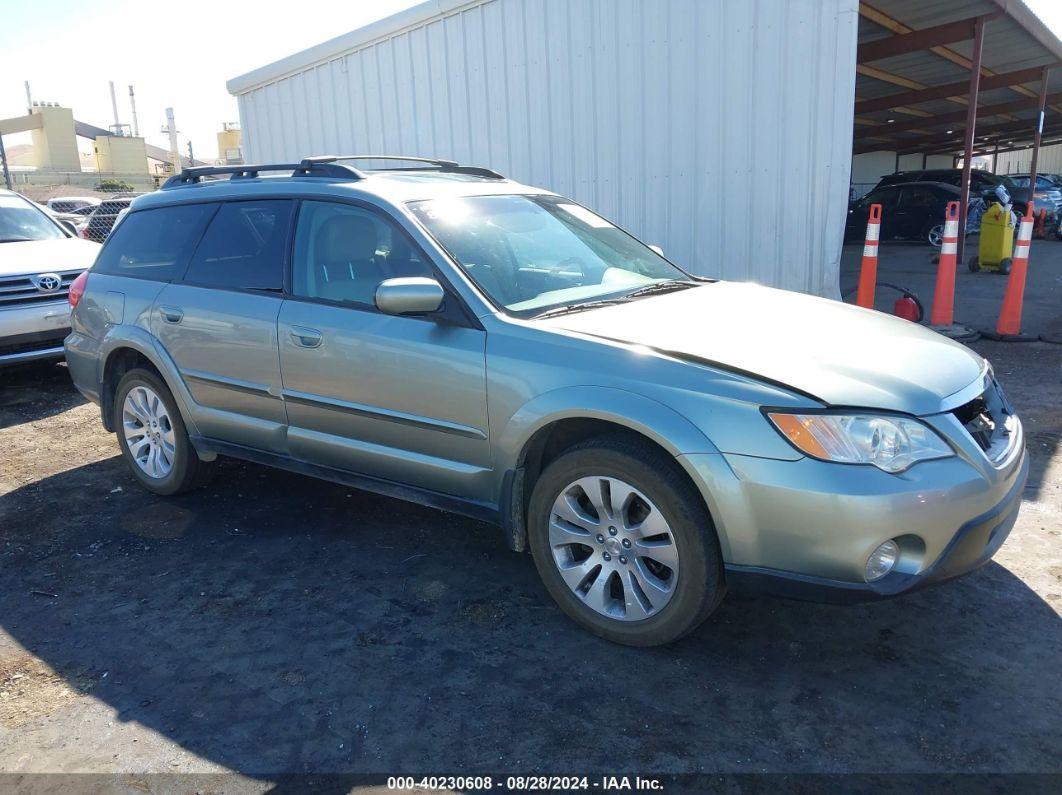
(322, 166)
(192, 176)
(448, 166)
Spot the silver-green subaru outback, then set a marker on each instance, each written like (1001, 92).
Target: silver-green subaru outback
(441, 334)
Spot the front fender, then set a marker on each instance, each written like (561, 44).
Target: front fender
(646, 416)
(650, 418)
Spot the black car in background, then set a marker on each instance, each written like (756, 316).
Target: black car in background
(983, 183)
(909, 211)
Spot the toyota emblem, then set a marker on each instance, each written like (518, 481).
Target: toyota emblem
(48, 282)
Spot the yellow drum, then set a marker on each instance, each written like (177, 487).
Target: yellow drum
(997, 241)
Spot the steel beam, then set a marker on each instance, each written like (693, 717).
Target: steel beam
(948, 91)
(910, 144)
(925, 39)
(958, 116)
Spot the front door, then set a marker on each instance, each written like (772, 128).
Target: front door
(402, 399)
(219, 323)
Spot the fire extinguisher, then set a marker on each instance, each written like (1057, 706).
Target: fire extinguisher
(906, 306)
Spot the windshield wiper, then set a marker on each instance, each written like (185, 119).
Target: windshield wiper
(578, 307)
(15, 239)
(660, 287)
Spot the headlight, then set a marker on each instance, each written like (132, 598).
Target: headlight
(889, 443)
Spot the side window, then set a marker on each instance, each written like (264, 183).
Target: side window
(917, 198)
(243, 248)
(882, 196)
(154, 244)
(342, 253)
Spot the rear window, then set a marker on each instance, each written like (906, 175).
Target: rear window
(243, 248)
(154, 244)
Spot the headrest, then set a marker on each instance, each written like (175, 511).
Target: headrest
(345, 238)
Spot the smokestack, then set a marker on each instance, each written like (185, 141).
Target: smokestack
(114, 107)
(132, 104)
(29, 98)
(175, 153)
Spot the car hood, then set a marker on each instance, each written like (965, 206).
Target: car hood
(46, 256)
(840, 354)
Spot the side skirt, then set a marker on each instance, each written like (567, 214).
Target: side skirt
(483, 511)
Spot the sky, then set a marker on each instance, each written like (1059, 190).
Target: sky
(69, 50)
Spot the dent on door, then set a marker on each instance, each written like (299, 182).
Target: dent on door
(225, 346)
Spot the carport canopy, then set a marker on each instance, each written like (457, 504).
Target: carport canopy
(955, 77)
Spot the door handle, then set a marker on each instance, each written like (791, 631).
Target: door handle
(171, 314)
(306, 337)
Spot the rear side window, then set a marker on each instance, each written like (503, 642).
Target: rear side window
(154, 244)
(243, 248)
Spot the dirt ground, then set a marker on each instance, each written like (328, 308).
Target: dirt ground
(271, 623)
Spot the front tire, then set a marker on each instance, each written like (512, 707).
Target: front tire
(624, 543)
(153, 438)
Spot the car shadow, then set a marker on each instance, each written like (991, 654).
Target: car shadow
(35, 391)
(272, 624)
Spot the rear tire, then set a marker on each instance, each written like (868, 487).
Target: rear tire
(153, 438)
(933, 234)
(659, 571)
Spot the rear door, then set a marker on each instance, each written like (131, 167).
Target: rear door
(398, 398)
(218, 323)
(915, 207)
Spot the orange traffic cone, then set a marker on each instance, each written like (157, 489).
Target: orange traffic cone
(941, 317)
(944, 294)
(1009, 325)
(868, 272)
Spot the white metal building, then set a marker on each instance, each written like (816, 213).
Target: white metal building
(721, 131)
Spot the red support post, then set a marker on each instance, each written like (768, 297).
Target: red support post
(1039, 132)
(971, 127)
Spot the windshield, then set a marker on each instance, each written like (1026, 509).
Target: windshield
(20, 220)
(531, 254)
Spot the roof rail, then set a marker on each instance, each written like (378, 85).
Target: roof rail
(449, 166)
(308, 167)
(321, 166)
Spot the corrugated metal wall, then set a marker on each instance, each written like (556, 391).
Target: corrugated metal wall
(720, 130)
(1049, 161)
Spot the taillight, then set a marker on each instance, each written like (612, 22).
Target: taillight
(77, 289)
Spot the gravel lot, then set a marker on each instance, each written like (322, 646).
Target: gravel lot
(271, 623)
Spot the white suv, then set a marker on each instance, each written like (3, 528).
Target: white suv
(38, 261)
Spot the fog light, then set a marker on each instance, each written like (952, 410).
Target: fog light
(881, 561)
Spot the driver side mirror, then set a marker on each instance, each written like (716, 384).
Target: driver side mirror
(657, 249)
(411, 295)
(68, 226)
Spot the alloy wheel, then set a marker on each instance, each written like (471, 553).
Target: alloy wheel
(148, 432)
(936, 235)
(613, 548)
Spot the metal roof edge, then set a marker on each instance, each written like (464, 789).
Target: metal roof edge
(356, 39)
(1032, 24)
